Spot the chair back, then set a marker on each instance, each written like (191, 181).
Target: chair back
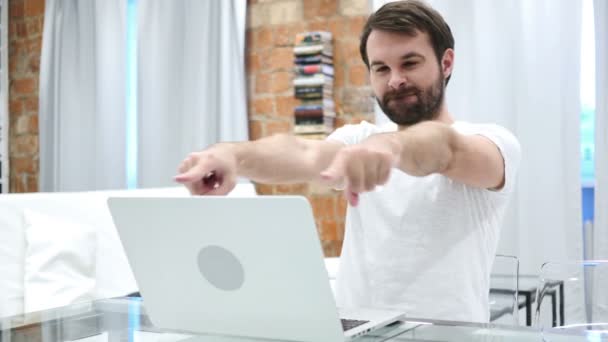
(504, 290)
(566, 300)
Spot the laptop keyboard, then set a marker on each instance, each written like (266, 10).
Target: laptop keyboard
(348, 324)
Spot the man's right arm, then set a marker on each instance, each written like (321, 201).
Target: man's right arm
(276, 159)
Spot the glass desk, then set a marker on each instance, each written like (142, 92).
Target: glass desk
(125, 319)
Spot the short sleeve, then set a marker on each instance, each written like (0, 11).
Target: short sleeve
(507, 144)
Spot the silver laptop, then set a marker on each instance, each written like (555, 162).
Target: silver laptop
(235, 266)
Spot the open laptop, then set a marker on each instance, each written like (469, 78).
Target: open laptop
(235, 266)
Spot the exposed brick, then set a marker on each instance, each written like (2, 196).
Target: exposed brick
(23, 86)
(16, 9)
(351, 8)
(331, 248)
(15, 107)
(281, 81)
(31, 183)
(324, 207)
(284, 35)
(33, 28)
(13, 63)
(328, 230)
(265, 56)
(34, 45)
(349, 50)
(355, 25)
(357, 100)
(341, 206)
(340, 227)
(34, 7)
(285, 106)
(255, 129)
(257, 15)
(318, 25)
(253, 63)
(291, 189)
(23, 145)
(264, 189)
(339, 76)
(31, 104)
(34, 64)
(336, 26)
(358, 75)
(23, 124)
(262, 83)
(262, 38)
(281, 58)
(21, 165)
(286, 11)
(263, 106)
(21, 29)
(319, 8)
(275, 127)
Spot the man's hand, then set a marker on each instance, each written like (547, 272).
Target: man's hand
(209, 172)
(362, 167)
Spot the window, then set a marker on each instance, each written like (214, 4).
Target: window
(587, 96)
(131, 159)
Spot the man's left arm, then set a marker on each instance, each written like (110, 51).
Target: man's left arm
(420, 150)
(434, 147)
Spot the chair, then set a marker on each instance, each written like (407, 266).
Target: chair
(504, 290)
(568, 297)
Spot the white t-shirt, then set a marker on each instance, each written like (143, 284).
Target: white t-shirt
(424, 245)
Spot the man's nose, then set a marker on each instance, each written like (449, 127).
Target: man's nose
(397, 80)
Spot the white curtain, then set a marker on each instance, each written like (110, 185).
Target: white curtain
(517, 64)
(82, 95)
(601, 157)
(191, 87)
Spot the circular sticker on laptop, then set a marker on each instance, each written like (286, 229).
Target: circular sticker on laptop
(221, 268)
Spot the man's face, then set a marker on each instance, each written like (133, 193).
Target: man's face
(406, 77)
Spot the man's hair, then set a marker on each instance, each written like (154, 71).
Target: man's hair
(409, 16)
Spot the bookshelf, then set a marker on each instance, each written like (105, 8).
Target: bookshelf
(313, 84)
(4, 119)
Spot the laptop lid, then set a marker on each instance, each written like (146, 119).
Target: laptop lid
(234, 266)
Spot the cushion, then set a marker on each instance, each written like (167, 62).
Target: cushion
(12, 249)
(59, 261)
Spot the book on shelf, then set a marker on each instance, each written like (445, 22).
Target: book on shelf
(311, 69)
(309, 129)
(314, 80)
(313, 59)
(307, 50)
(315, 120)
(312, 37)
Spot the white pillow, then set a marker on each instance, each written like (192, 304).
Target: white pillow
(59, 261)
(12, 249)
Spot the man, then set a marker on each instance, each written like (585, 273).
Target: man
(426, 200)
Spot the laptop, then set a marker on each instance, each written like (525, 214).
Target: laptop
(244, 266)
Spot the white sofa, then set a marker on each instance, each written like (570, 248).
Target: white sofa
(59, 248)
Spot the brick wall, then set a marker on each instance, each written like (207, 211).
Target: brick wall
(271, 29)
(25, 41)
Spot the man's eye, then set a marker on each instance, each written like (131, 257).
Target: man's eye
(381, 69)
(410, 64)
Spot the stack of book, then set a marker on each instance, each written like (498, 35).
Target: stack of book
(313, 84)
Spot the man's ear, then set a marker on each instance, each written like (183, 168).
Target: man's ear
(447, 62)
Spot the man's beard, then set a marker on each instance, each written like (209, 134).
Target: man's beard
(425, 108)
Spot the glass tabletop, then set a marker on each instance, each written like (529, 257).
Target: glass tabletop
(125, 319)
